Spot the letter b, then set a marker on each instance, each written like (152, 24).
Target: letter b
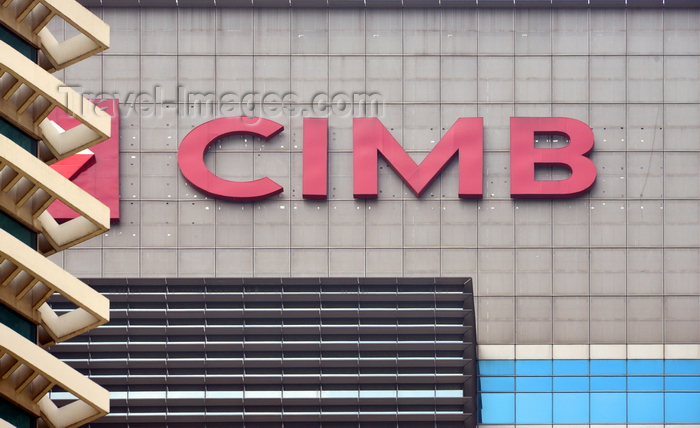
(524, 157)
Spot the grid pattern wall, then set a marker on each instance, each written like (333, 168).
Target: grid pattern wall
(620, 265)
(589, 391)
(392, 3)
(264, 353)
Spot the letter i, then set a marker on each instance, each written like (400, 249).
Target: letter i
(315, 158)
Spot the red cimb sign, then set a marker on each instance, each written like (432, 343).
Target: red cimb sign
(96, 171)
(371, 139)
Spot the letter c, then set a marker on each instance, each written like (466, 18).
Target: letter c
(190, 158)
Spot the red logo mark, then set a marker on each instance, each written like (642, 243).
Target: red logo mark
(95, 170)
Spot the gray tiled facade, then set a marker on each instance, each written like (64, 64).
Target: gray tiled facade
(620, 264)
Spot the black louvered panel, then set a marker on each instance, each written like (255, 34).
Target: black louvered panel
(284, 353)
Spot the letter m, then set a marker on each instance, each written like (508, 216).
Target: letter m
(464, 139)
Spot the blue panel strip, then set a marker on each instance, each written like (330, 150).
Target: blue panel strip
(495, 384)
(571, 383)
(571, 408)
(497, 367)
(595, 391)
(533, 408)
(682, 383)
(683, 367)
(608, 407)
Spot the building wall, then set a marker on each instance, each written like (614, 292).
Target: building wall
(618, 266)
